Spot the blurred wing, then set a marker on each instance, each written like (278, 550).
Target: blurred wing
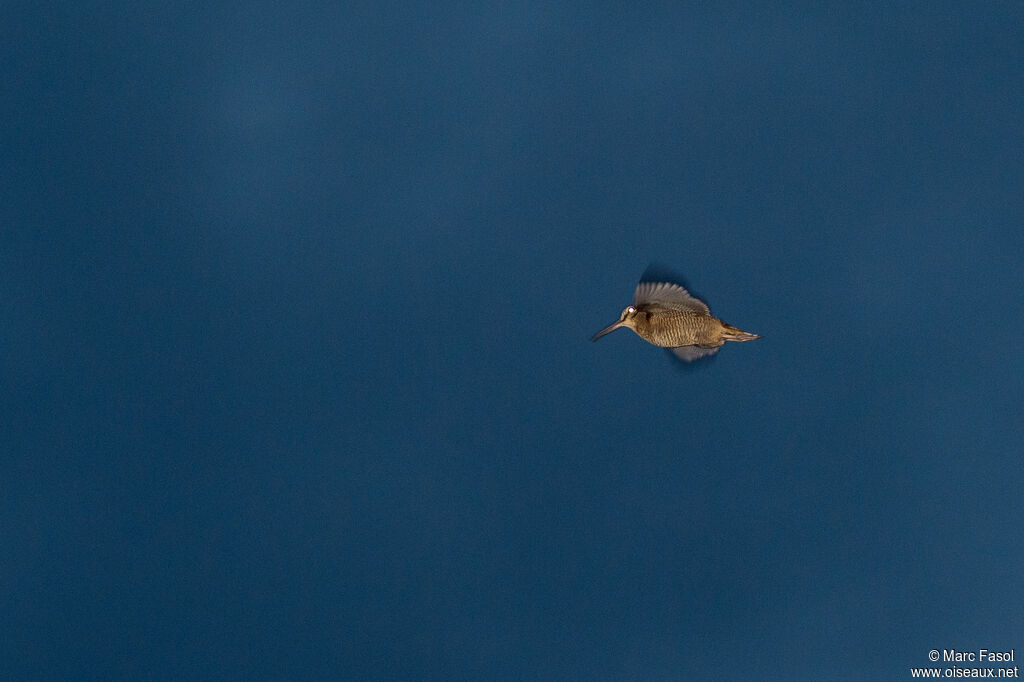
(667, 293)
(691, 353)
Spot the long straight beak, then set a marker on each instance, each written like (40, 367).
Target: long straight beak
(606, 330)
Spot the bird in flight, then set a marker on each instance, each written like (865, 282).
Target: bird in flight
(667, 315)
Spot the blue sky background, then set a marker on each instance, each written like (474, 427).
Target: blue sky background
(296, 305)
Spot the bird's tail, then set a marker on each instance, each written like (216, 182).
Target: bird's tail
(732, 333)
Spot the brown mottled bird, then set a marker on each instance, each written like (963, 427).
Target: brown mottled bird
(665, 314)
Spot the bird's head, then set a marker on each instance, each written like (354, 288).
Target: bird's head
(626, 319)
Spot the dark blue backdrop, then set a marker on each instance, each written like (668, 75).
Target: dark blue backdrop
(295, 308)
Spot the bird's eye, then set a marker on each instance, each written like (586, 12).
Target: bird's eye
(631, 310)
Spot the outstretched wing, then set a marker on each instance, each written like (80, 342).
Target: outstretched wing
(667, 294)
(691, 353)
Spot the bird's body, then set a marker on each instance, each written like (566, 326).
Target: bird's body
(667, 315)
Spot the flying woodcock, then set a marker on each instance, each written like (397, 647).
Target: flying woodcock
(667, 315)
